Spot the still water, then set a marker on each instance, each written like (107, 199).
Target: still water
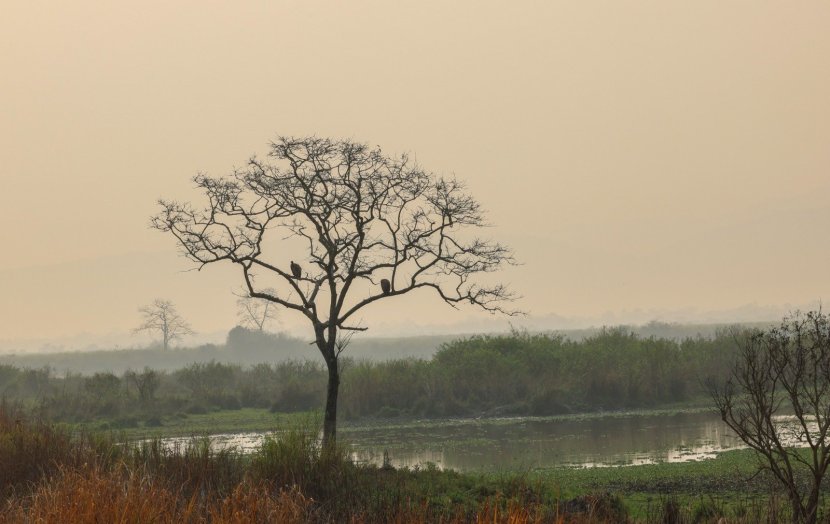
(527, 443)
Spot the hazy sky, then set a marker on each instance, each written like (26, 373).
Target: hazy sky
(644, 155)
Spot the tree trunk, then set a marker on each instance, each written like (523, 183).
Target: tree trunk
(811, 511)
(330, 419)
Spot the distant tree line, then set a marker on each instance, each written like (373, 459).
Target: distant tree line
(540, 374)
(513, 374)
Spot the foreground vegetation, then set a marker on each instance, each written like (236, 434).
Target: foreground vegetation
(65, 455)
(50, 475)
(515, 374)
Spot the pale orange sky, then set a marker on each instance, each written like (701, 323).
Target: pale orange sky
(644, 155)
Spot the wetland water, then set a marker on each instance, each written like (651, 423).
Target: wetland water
(528, 443)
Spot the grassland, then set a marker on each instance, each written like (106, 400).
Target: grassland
(53, 475)
(728, 482)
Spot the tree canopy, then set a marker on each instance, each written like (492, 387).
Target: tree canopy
(363, 217)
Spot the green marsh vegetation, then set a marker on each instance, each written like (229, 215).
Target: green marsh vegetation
(516, 374)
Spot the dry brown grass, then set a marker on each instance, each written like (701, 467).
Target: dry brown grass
(50, 476)
(123, 496)
(31, 449)
(120, 496)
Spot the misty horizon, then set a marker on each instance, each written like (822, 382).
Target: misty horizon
(643, 162)
(688, 317)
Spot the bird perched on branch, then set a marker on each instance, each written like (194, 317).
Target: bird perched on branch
(385, 286)
(296, 270)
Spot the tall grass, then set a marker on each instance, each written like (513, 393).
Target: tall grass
(48, 475)
(194, 467)
(31, 449)
(121, 495)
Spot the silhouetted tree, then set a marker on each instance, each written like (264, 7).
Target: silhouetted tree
(255, 313)
(777, 400)
(362, 215)
(161, 317)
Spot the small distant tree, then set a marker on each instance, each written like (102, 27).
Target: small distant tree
(161, 317)
(373, 227)
(255, 313)
(777, 400)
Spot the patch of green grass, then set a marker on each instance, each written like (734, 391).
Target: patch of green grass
(727, 481)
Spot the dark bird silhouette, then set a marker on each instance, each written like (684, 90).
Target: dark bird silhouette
(296, 270)
(386, 286)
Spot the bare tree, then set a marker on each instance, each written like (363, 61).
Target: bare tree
(361, 216)
(256, 313)
(777, 400)
(161, 317)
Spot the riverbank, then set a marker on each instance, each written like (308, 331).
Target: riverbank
(723, 485)
(47, 471)
(513, 444)
(264, 420)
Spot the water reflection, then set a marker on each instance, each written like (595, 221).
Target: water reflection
(525, 444)
(529, 443)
